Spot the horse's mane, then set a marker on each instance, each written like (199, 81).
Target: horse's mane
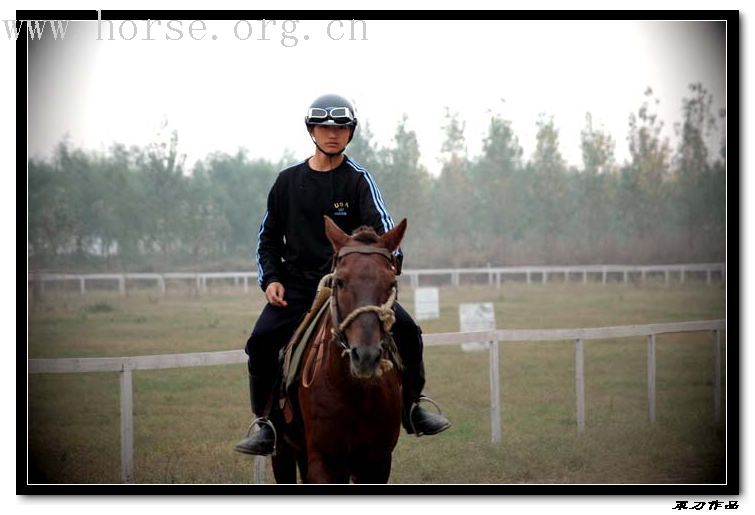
(365, 234)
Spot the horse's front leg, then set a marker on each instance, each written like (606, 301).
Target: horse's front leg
(325, 470)
(376, 469)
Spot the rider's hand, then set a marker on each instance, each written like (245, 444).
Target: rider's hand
(274, 294)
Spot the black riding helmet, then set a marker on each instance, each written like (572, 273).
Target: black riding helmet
(331, 110)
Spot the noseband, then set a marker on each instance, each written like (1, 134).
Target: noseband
(384, 312)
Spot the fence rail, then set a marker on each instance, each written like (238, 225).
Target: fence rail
(604, 273)
(125, 365)
(494, 275)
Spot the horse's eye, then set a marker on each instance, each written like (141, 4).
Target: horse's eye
(338, 282)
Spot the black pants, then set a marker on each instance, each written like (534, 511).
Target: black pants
(276, 325)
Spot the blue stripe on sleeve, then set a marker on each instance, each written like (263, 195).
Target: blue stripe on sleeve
(376, 196)
(260, 271)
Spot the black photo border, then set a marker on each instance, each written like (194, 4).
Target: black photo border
(733, 300)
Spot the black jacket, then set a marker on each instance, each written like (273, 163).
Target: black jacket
(291, 244)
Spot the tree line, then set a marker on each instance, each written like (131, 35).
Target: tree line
(141, 209)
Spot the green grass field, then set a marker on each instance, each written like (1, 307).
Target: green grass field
(187, 420)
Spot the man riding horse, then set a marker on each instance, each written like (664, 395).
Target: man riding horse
(293, 254)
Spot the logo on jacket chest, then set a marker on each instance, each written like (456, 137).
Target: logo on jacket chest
(340, 208)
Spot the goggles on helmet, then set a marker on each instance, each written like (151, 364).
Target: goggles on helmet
(338, 115)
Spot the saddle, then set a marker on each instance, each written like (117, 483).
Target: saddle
(294, 349)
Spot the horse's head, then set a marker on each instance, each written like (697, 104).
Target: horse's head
(364, 289)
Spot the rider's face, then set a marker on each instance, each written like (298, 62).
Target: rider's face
(331, 138)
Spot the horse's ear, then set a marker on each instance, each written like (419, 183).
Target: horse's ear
(392, 239)
(337, 237)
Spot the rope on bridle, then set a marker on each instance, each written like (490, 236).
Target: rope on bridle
(385, 313)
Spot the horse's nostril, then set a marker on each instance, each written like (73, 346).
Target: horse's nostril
(365, 356)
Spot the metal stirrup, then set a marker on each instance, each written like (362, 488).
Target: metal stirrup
(264, 421)
(415, 405)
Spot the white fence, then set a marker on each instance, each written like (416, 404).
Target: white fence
(583, 273)
(125, 365)
(199, 280)
(493, 275)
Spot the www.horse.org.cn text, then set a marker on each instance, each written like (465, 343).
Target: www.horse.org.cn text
(287, 33)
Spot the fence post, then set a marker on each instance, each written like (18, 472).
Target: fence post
(127, 424)
(604, 275)
(246, 284)
(717, 375)
(161, 284)
(122, 285)
(495, 395)
(545, 276)
(260, 464)
(528, 277)
(651, 377)
(580, 380)
(82, 288)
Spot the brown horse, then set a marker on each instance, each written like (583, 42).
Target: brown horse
(349, 397)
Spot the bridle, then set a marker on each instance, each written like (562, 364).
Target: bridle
(384, 312)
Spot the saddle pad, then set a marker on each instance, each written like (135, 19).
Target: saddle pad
(298, 346)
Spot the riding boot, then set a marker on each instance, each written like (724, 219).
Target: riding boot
(415, 419)
(262, 442)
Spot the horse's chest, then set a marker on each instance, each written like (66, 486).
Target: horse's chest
(359, 415)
